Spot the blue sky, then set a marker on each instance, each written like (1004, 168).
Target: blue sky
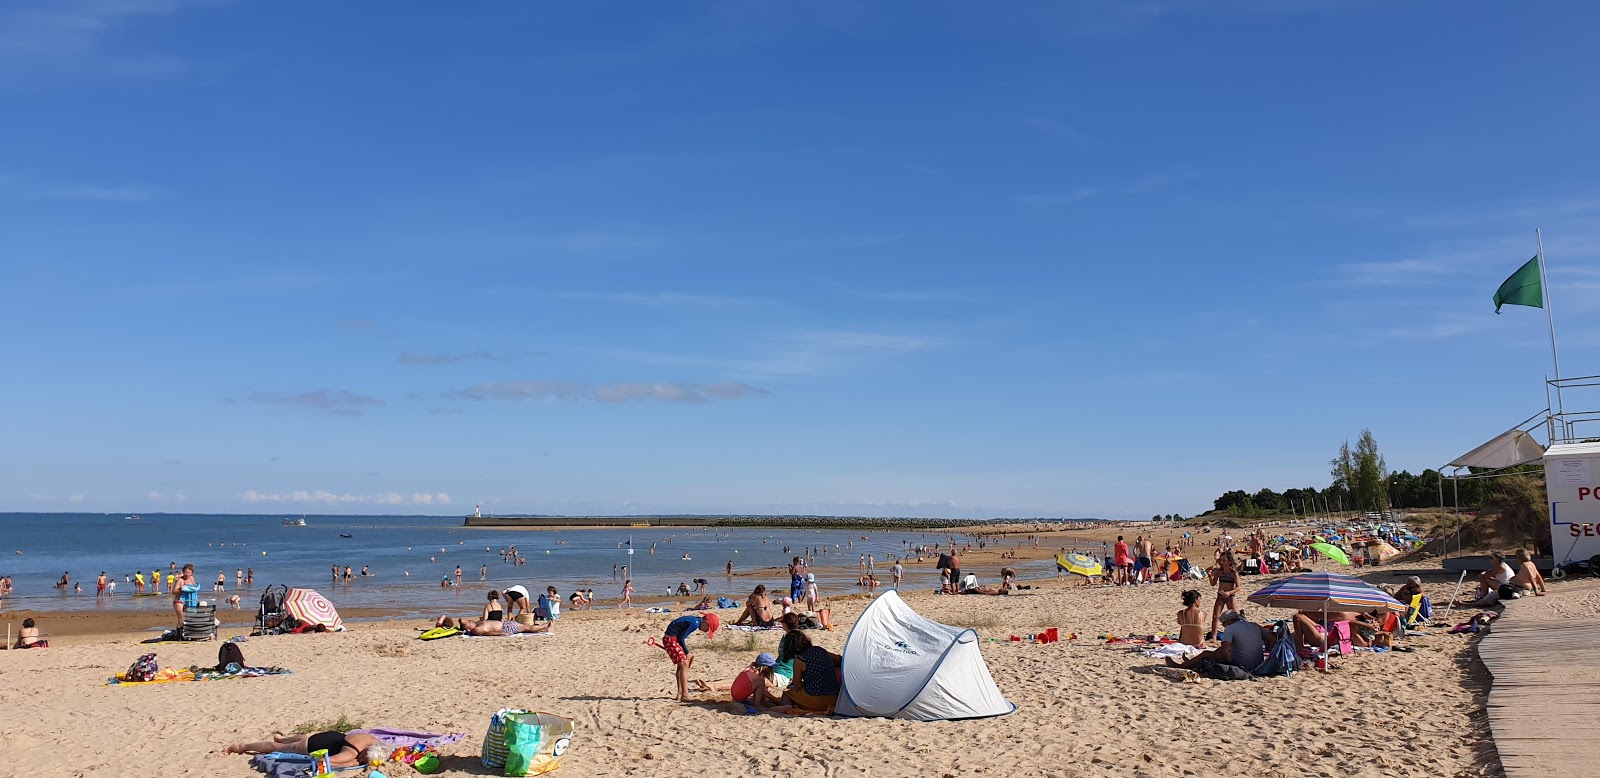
(943, 258)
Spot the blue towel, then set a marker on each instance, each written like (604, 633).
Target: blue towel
(281, 765)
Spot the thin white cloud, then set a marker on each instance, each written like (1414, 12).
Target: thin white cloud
(1446, 326)
(1055, 128)
(119, 194)
(428, 359)
(65, 42)
(339, 402)
(1057, 199)
(669, 299)
(332, 498)
(76, 498)
(153, 494)
(613, 393)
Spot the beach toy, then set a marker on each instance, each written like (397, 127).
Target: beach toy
(321, 765)
(427, 765)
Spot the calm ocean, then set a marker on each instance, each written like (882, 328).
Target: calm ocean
(428, 547)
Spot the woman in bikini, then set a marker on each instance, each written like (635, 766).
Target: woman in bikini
(344, 749)
(1226, 578)
(1190, 620)
(494, 621)
(757, 609)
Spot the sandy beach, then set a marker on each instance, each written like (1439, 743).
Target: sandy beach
(1084, 708)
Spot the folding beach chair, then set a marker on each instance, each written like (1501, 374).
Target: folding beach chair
(1418, 611)
(271, 613)
(199, 623)
(1341, 635)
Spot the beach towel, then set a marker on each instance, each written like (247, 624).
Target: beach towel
(280, 764)
(405, 738)
(1177, 651)
(1341, 631)
(725, 602)
(518, 635)
(439, 632)
(751, 627)
(188, 674)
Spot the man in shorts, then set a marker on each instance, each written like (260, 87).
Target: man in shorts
(675, 640)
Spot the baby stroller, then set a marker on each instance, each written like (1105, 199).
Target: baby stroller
(271, 615)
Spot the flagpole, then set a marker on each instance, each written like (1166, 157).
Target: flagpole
(1549, 317)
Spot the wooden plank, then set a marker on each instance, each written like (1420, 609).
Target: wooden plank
(1539, 710)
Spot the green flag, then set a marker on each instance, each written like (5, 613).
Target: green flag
(1522, 288)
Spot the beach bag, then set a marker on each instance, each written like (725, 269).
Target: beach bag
(229, 654)
(494, 741)
(535, 742)
(143, 669)
(1509, 591)
(1281, 660)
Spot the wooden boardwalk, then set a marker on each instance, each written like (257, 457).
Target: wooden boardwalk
(1545, 695)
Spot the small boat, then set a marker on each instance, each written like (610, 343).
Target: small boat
(300, 522)
(346, 535)
(130, 518)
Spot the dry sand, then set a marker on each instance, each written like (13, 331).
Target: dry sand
(1083, 709)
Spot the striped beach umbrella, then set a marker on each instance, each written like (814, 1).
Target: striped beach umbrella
(1325, 592)
(307, 606)
(1079, 563)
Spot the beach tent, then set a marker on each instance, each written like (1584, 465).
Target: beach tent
(898, 664)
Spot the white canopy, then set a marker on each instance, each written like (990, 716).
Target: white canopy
(1508, 449)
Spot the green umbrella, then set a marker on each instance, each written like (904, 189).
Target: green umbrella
(1331, 552)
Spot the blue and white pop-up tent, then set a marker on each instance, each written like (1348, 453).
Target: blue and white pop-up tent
(899, 664)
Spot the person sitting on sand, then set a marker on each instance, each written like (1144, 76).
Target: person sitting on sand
(704, 604)
(1244, 644)
(1311, 628)
(1498, 573)
(1190, 624)
(816, 673)
(494, 621)
(1527, 576)
(759, 684)
(29, 636)
(344, 749)
(757, 609)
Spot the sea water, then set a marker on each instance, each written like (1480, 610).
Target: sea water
(408, 556)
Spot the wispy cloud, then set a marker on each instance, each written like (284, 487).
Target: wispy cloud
(1057, 199)
(913, 295)
(1055, 128)
(604, 240)
(669, 299)
(332, 498)
(116, 194)
(339, 402)
(429, 359)
(55, 42)
(612, 393)
(1444, 327)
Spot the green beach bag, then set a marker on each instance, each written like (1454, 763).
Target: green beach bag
(535, 742)
(494, 741)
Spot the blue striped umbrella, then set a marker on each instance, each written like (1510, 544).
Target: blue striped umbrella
(1325, 592)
